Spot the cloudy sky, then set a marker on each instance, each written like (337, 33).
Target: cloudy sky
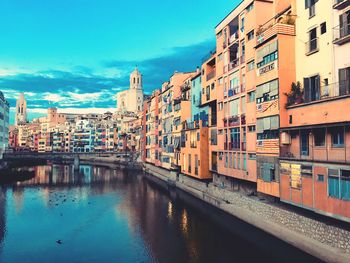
(77, 54)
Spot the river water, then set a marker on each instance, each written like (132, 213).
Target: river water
(97, 214)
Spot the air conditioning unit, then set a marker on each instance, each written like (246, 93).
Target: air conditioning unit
(285, 138)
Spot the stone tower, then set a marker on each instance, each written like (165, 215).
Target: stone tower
(21, 110)
(135, 79)
(131, 100)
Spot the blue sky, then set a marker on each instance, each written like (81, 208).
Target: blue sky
(76, 54)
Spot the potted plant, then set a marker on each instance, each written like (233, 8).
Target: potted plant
(295, 96)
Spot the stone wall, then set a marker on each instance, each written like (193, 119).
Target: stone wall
(321, 239)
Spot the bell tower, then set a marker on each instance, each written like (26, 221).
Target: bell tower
(135, 79)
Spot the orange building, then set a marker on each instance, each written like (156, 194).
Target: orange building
(195, 132)
(249, 41)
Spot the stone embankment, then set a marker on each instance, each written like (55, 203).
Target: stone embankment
(318, 238)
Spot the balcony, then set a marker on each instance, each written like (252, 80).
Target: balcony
(326, 93)
(341, 34)
(209, 55)
(232, 65)
(311, 46)
(285, 26)
(232, 121)
(210, 75)
(185, 87)
(231, 146)
(340, 4)
(233, 38)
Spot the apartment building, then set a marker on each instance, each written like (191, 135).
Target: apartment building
(233, 140)
(84, 136)
(195, 132)
(170, 131)
(315, 137)
(152, 111)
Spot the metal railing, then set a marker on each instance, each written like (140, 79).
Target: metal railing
(211, 75)
(340, 4)
(341, 34)
(233, 64)
(311, 46)
(329, 91)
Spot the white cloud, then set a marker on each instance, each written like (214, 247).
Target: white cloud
(83, 97)
(53, 97)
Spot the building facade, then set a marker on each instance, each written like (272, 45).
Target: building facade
(4, 124)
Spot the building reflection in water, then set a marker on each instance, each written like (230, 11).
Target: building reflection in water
(169, 229)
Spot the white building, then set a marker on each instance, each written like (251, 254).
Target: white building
(21, 110)
(131, 100)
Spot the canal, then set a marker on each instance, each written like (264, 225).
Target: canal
(53, 213)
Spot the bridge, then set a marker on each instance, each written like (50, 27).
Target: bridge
(126, 158)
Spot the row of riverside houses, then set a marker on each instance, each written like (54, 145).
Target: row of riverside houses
(269, 110)
(83, 133)
(80, 133)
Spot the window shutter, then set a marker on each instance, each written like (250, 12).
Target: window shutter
(307, 89)
(260, 125)
(274, 123)
(267, 123)
(317, 87)
(342, 81)
(307, 4)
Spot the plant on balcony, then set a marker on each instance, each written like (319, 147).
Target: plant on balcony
(295, 96)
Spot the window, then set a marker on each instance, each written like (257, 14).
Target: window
(344, 80)
(320, 137)
(312, 88)
(251, 65)
(267, 92)
(220, 81)
(312, 45)
(220, 57)
(267, 172)
(267, 59)
(220, 106)
(344, 24)
(304, 142)
(251, 96)
(252, 156)
(339, 184)
(251, 128)
(242, 24)
(310, 4)
(250, 7)
(323, 28)
(320, 178)
(337, 137)
(250, 35)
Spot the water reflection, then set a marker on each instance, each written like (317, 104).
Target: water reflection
(103, 215)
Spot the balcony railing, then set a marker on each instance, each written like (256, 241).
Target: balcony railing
(210, 75)
(233, 38)
(231, 146)
(340, 4)
(329, 91)
(341, 34)
(311, 46)
(231, 121)
(185, 87)
(233, 64)
(285, 26)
